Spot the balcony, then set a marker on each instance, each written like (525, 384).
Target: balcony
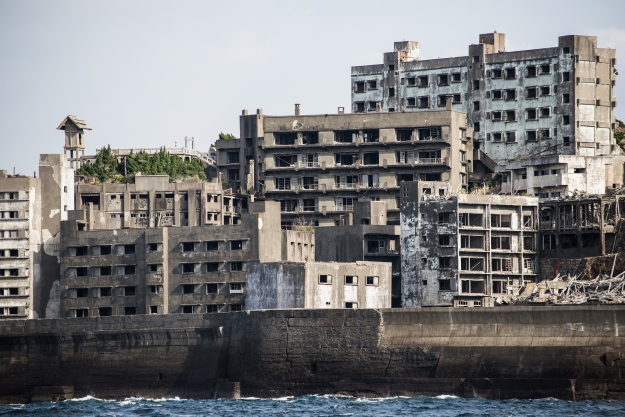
(553, 180)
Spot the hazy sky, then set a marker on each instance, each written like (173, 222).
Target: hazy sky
(149, 73)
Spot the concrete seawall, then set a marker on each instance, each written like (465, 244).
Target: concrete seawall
(524, 352)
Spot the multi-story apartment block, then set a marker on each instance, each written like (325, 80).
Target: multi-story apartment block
(465, 249)
(31, 210)
(367, 238)
(319, 285)
(551, 101)
(318, 166)
(152, 201)
(157, 270)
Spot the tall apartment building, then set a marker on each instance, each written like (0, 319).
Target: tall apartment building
(159, 270)
(465, 249)
(318, 166)
(31, 210)
(556, 100)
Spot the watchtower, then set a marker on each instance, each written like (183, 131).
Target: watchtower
(74, 128)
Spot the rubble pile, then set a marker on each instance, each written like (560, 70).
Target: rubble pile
(602, 290)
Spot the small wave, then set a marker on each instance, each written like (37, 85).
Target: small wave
(446, 397)
(87, 398)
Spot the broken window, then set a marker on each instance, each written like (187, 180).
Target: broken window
(432, 133)
(476, 84)
(496, 73)
(372, 280)
(188, 268)
(391, 92)
(445, 217)
(359, 107)
(443, 79)
(444, 285)
(528, 265)
(423, 81)
(325, 279)
(423, 102)
(476, 126)
(471, 219)
(236, 266)
(187, 246)
(545, 133)
(531, 92)
(566, 119)
(346, 136)
(441, 100)
(404, 135)
(566, 76)
(188, 288)
(411, 81)
(531, 135)
(510, 136)
(500, 220)
(233, 157)
(510, 94)
(81, 272)
(456, 77)
(282, 183)
(129, 250)
(500, 286)
(501, 242)
(130, 291)
(359, 87)
(510, 115)
(471, 242)
(212, 267)
(372, 85)
(472, 287)
(456, 99)
(549, 241)
(236, 244)
(411, 102)
(310, 138)
(530, 71)
(212, 246)
(501, 265)
(496, 94)
(530, 114)
(351, 280)
(545, 112)
(444, 240)
(472, 264)
(476, 105)
(285, 138)
(545, 90)
(565, 98)
(370, 158)
(496, 116)
(510, 73)
(568, 241)
(444, 262)
(545, 69)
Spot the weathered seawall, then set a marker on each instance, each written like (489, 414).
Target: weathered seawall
(524, 352)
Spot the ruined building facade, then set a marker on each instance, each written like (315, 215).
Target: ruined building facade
(465, 249)
(318, 166)
(556, 100)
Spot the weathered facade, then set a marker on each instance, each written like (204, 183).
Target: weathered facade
(318, 285)
(157, 270)
(152, 201)
(31, 212)
(318, 166)
(465, 249)
(367, 238)
(551, 101)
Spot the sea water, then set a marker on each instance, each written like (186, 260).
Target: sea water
(318, 406)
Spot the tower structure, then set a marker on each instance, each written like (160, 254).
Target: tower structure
(74, 128)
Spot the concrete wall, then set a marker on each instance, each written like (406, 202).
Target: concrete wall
(275, 285)
(517, 352)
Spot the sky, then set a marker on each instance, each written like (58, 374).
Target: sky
(148, 73)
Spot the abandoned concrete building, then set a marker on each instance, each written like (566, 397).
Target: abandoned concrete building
(366, 237)
(152, 201)
(318, 166)
(465, 249)
(570, 229)
(522, 104)
(319, 285)
(31, 210)
(74, 128)
(158, 270)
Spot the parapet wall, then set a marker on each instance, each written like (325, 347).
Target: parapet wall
(523, 352)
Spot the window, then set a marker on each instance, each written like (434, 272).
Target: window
(82, 292)
(411, 102)
(325, 279)
(188, 246)
(188, 268)
(456, 99)
(188, 288)
(152, 246)
(510, 115)
(565, 98)
(351, 280)
(496, 94)
(130, 291)
(531, 135)
(236, 287)
(530, 71)
(545, 69)
(566, 119)
(531, 92)
(351, 304)
(411, 81)
(444, 262)
(391, 92)
(444, 217)
(566, 50)
(288, 206)
(130, 311)
(236, 245)
(510, 136)
(155, 289)
(476, 105)
(212, 267)
(530, 114)
(359, 87)
(566, 77)
(80, 312)
(496, 73)
(545, 112)
(373, 281)
(153, 309)
(82, 272)
(212, 289)
(105, 311)
(476, 84)
(155, 267)
(129, 269)
(236, 307)
(443, 79)
(566, 141)
(501, 242)
(233, 157)
(423, 81)
(476, 126)
(236, 266)
(444, 240)
(444, 285)
(501, 220)
(545, 133)
(510, 94)
(212, 308)
(372, 85)
(212, 246)
(545, 90)
(510, 73)
(423, 102)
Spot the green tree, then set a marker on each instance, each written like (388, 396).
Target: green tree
(226, 136)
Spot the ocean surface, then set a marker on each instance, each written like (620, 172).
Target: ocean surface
(318, 406)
